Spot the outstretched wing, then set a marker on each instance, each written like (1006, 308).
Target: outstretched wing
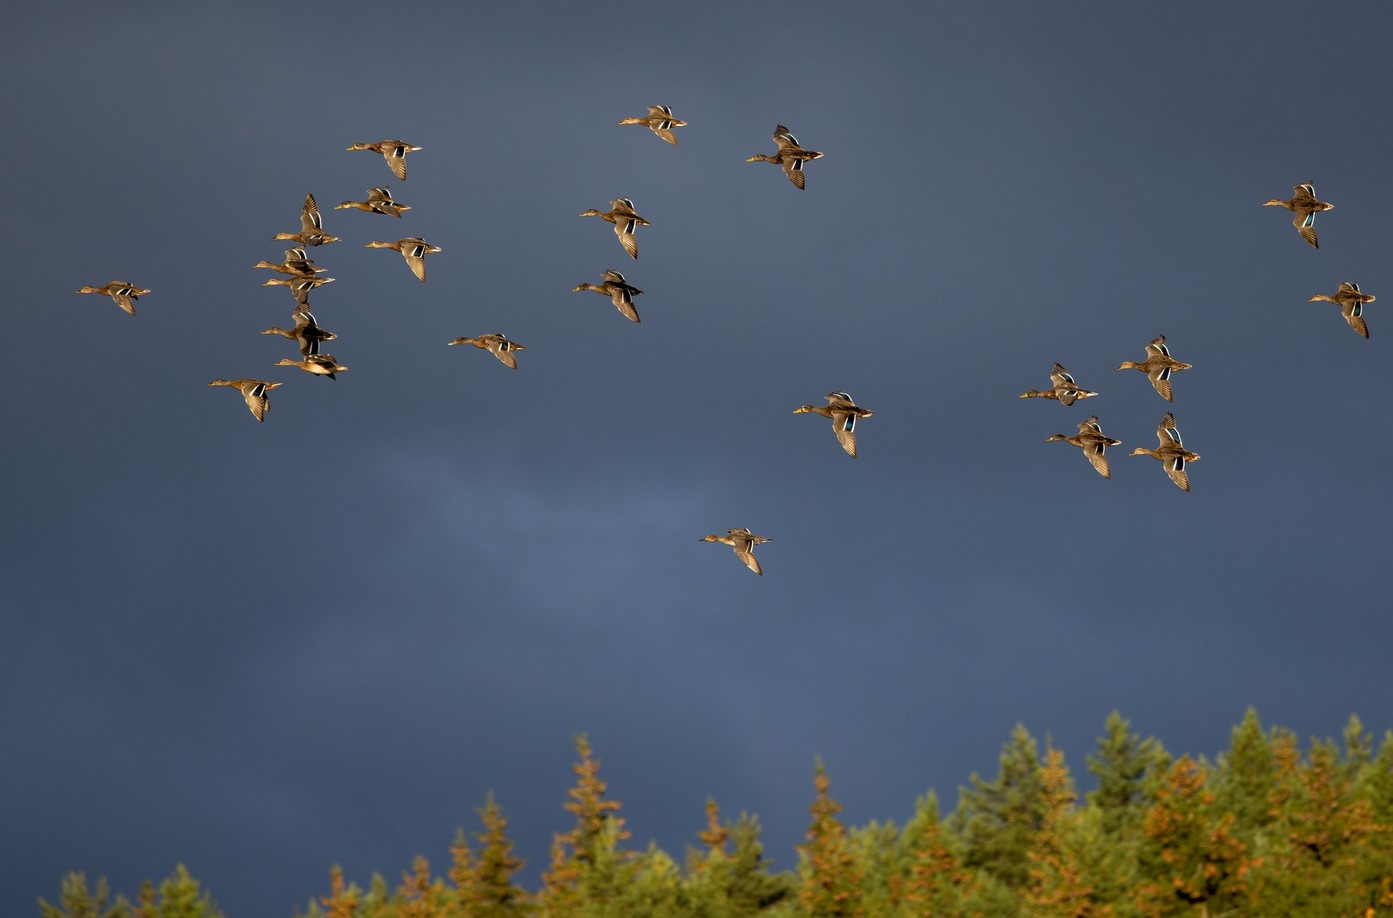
(396, 159)
(1096, 451)
(844, 426)
(1305, 224)
(624, 229)
(1354, 315)
(1161, 381)
(1175, 468)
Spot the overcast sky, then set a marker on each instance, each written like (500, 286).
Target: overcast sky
(261, 649)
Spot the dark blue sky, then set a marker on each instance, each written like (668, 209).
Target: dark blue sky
(264, 649)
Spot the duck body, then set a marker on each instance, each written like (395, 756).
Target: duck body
(790, 156)
(626, 221)
(1094, 444)
(379, 202)
(311, 226)
(414, 249)
(316, 364)
(844, 413)
(660, 121)
(300, 285)
(296, 264)
(1062, 389)
(496, 344)
(1351, 301)
(620, 292)
(122, 293)
(1158, 366)
(1171, 452)
(1304, 205)
(307, 333)
(254, 391)
(743, 542)
(394, 151)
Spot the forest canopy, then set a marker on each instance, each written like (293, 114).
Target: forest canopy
(1265, 828)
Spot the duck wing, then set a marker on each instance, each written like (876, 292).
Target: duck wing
(1353, 311)
(844, 426)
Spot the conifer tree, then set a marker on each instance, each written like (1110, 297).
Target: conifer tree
(181, 896)
(935, 881)
(1374, 783)
(75, 900)
(342, 901)
(996, 819)
(880, 864)
(1194, 859)
(830, 883)
(464, 872)
(1321, 828)
(1359, 748)
(145, 903)
(1246, 777)
(1121, 764)
(732, 878)
(560, 895)
(588, 856)
(421, 896)
(492, 892)
(1059, 887)
(1128, 769)
(715, 835)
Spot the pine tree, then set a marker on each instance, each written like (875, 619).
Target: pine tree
(829, 880)
(145, 904)
(880, 864)
(1058, 883)
(560, 895)
(464, 873)
(587, 866)
(342, 901)
(1193, 857)
(1122, 763)
(737, 882)
(1374, 783)
(715, 835)
(421, 896)
(996, 819)
(1128, 769)
(493, 893)
(1321, 828)
(1246, 777)
(182, 897)
(936, 880)
(76, 901)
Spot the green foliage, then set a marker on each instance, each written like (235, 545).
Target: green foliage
(828, 873)
(1266, 830)
(996, 819)
(75, 900)
(1246, 777)
(731, 878)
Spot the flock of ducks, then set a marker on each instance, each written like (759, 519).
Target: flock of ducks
(1160, 365)
(302, 276)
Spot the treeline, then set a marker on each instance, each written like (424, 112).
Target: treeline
(1265, 829)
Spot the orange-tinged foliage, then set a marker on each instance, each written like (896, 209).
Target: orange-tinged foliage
(715, 835)
(936, 877)
(1204, 861)
(419, 896)
(1184, 834)
(341, 902)
(1058, 886)
(831, 878)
